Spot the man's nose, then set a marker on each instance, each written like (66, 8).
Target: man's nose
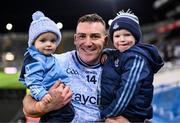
(88, 41)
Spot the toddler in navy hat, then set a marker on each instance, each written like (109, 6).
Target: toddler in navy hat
(128, 72)
(40, 69)
(126, 20)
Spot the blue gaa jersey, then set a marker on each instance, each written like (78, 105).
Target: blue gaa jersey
(84, 82)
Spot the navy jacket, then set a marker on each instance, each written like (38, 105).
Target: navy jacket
(127, 82)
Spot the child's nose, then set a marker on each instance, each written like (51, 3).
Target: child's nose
(48, 43)
(122, 39)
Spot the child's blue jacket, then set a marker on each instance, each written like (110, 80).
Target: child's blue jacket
(39, 72)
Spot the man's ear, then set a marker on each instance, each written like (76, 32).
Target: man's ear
(106, 40)
(75, 39)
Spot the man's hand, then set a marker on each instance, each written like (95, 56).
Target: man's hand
(61, 95)
(118, 119)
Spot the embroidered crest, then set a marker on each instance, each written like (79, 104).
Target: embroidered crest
(115, 26)
(116, 62)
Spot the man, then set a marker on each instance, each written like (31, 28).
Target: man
(84, 70)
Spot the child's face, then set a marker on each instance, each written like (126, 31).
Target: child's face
(123, 40)
(46, 43)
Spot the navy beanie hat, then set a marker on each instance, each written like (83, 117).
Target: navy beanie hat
(42, 24)
(126, 20)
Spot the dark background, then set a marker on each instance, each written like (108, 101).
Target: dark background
(18, 12)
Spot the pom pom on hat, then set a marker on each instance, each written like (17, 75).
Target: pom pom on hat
(37, 15)
(42, 24)
(126, 20)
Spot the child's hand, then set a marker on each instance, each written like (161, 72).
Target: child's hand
(103, 58)
(47, 99)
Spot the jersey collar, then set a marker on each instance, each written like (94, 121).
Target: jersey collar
(85, 64)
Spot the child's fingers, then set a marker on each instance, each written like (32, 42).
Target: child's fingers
(56, 85)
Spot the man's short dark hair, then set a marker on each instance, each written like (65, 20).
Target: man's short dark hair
(92, 18)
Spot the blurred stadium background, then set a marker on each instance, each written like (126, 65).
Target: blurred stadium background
(160, 22)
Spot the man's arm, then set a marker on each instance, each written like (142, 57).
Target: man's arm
(118, 119)
(29, 107)
(61, 95)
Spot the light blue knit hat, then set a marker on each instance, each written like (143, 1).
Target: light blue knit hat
(41, 24)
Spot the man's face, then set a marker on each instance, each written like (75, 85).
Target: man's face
(89, 40)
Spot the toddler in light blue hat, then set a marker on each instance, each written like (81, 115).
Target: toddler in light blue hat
(40, 68)
(42, 24)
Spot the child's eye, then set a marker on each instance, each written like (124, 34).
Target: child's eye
(127, 34)
(53, 41)
(42, 40)
(116, 36)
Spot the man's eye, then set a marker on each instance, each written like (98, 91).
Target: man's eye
(82, 36)
(95, 36)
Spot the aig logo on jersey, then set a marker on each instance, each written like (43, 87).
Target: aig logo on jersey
(72, 71)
